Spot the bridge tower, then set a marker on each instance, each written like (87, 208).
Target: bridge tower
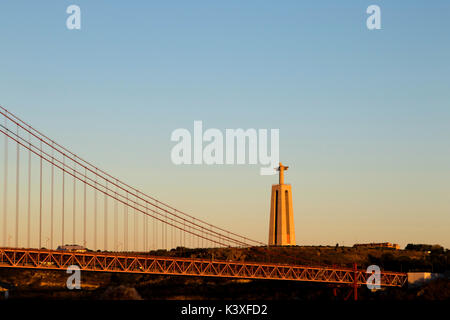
(281, 224)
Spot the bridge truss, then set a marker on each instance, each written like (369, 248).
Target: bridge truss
(140, 264)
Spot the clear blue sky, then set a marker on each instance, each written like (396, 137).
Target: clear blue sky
(364, 116)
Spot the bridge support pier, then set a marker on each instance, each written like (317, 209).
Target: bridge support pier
(348, 292)
(355, 282)
(353, 287)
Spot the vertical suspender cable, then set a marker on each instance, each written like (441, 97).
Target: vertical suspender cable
(125, 225)
(146, 228)
(17, 190)
(62, 205)
(95, 211)
(155, 231)
(174, 236)
(52, 199)
(106, 219)
(115, 221)
(74, 203)
(5, 191)
(135, 225)
(40, 199)
(172, 231)
(84, 210)
(165, 232)
(163, 244)
(29, 193)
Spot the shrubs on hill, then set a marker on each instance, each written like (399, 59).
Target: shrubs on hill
(426, 247)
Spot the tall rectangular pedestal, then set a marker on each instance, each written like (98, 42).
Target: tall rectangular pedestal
(281, 227)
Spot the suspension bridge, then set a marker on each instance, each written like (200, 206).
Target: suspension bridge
(52, 197)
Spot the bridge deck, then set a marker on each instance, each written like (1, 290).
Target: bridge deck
(141, 264)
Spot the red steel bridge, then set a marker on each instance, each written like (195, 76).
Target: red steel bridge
(51, 197)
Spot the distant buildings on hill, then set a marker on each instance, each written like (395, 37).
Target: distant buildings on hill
(428, 248)
(377, 245)
(72, 248)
